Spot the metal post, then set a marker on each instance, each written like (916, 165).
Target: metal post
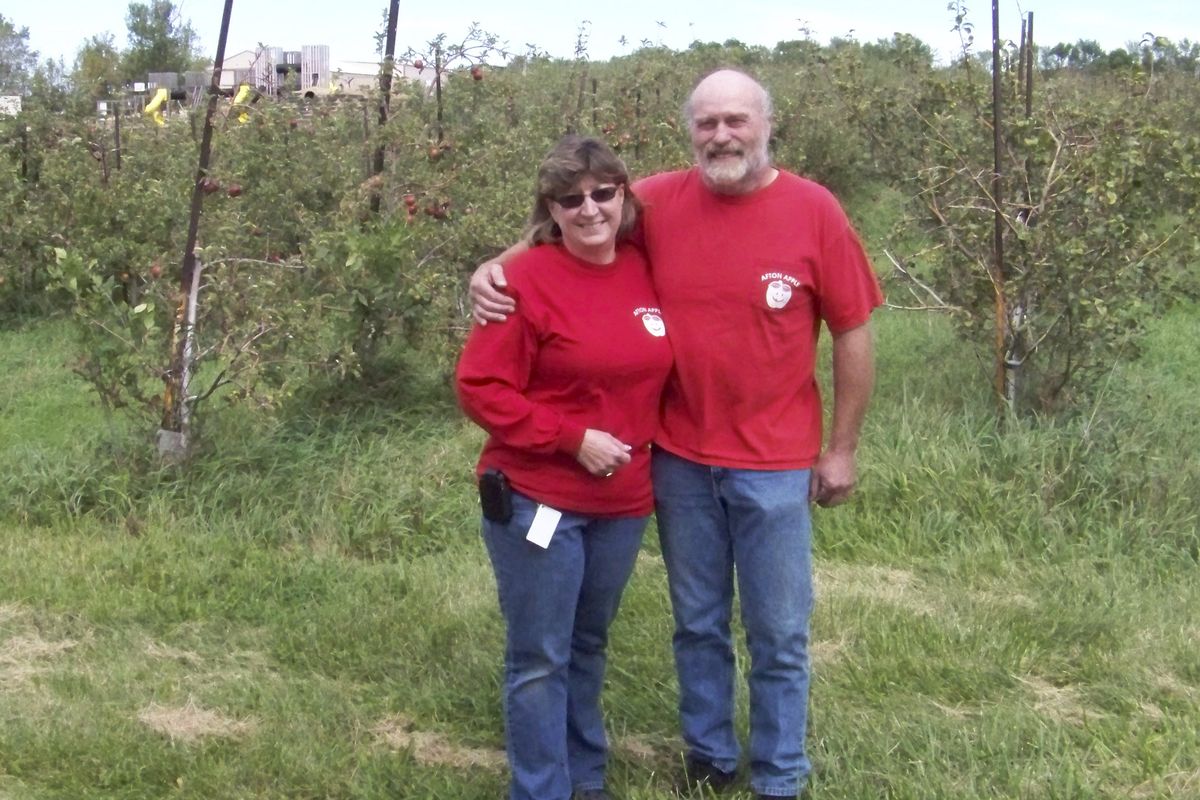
(1029, 68)
(1021, 57)
(385, 93)
(173, 437)
(437, 86)
(117, 134)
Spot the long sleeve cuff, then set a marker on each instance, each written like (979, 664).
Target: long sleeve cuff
(570, 437)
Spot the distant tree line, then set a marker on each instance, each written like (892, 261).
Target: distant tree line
(1153, 53)
(159, 40)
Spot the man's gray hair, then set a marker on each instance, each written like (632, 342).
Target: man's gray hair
(768, 105)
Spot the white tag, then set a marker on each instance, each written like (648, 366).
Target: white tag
(545, 521)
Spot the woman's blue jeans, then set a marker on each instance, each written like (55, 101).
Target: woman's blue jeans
(718, 525)
(557, 605)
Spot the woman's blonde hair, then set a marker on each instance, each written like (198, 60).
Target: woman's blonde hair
(571, 160)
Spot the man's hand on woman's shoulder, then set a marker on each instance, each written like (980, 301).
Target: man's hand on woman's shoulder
(489, 303)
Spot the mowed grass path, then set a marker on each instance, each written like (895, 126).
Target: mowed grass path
(307, 611)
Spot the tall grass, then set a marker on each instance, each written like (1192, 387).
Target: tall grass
(1006, 609)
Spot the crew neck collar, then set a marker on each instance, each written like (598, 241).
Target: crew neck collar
(746, 197)
(585, 267)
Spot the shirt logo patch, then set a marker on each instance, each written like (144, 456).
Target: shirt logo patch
(652, 319)
(778, 294)
(779, 288)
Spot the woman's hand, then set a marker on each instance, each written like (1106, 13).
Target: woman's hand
(602, 454)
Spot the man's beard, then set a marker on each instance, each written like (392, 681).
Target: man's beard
(730, 173)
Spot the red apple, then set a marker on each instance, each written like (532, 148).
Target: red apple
(418, 65)
(156, 270)
(234, 190)
(477, 73)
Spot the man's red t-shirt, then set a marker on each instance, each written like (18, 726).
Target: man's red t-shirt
(586, 348)
(745, 281)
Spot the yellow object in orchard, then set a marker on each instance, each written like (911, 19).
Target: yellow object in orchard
(154, 107)
(243, 94)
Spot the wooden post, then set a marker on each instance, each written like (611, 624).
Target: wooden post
(1002, 385)
(368, 158)
(637, 114)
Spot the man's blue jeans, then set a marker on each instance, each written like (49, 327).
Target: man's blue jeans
(557, 605)
(719, 524)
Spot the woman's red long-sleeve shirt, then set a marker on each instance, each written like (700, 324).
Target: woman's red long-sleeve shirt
(586, 348)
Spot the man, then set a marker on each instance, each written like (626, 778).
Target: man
(747, 261)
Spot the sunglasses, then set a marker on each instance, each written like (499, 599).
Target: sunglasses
(601, 195)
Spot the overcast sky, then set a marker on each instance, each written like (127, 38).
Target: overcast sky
(58, 27)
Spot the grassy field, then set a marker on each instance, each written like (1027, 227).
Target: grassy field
(1004, 611)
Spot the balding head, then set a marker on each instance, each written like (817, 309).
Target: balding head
(729, 117)
(726, 81)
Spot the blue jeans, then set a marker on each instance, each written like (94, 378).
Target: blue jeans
(557, 605)
(719, 524)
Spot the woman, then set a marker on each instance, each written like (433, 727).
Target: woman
(568, 390)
